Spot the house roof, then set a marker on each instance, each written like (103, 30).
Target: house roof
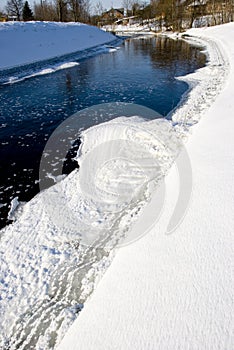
(198, 3)
(120, 10)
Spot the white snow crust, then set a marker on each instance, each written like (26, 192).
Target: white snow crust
(176, 292)
(160, 292)
(28, 42)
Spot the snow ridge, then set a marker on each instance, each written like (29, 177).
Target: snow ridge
(205, 84)
(34, 41)
(175, 292)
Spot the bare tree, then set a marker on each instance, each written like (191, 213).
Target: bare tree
(75, 8)
(14, 8)
(136, 6)
(86, 9)
(79, 10)
(45, 11)
(227, 10)
(99, 9)
(127, 5)
(230, 10)
(61, 9)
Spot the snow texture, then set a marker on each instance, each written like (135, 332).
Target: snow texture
(176, 292)
(161, 292)
(36, 41)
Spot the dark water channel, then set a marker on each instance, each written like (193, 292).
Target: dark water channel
(141, 71)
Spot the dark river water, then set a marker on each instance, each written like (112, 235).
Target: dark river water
(141, 71)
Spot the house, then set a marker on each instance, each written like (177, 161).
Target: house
(12, 18)
(3, 17)
(112, 16)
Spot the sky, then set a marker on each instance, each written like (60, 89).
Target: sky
(107, 4)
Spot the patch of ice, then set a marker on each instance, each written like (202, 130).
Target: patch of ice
(14, 205)
(45, 71)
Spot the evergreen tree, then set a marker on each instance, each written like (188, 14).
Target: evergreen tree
(27, 12)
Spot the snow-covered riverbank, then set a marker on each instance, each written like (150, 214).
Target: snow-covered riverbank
(28, 42)
(175, 292)
(160, 292)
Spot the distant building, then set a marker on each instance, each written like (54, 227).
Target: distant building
(12, 18)
(3, 18)
(112, 16)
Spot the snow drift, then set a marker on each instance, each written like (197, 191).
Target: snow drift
(27, 42)
(175, 292)
(160, 291)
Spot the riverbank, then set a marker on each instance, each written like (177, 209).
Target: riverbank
(42, 294)
(37, 41)
(56, 274)
(175, 292)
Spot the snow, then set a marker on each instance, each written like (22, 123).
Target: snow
(28, 42)
(129, 29)
(62, 242)
(159, 291)
(175, 292)
(14, 205)
(52, 69)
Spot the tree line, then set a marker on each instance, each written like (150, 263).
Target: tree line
(181, 14)
(19, 10)
(50, 10)
(174, 14)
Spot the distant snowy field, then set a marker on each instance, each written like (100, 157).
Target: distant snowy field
(24, 43)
